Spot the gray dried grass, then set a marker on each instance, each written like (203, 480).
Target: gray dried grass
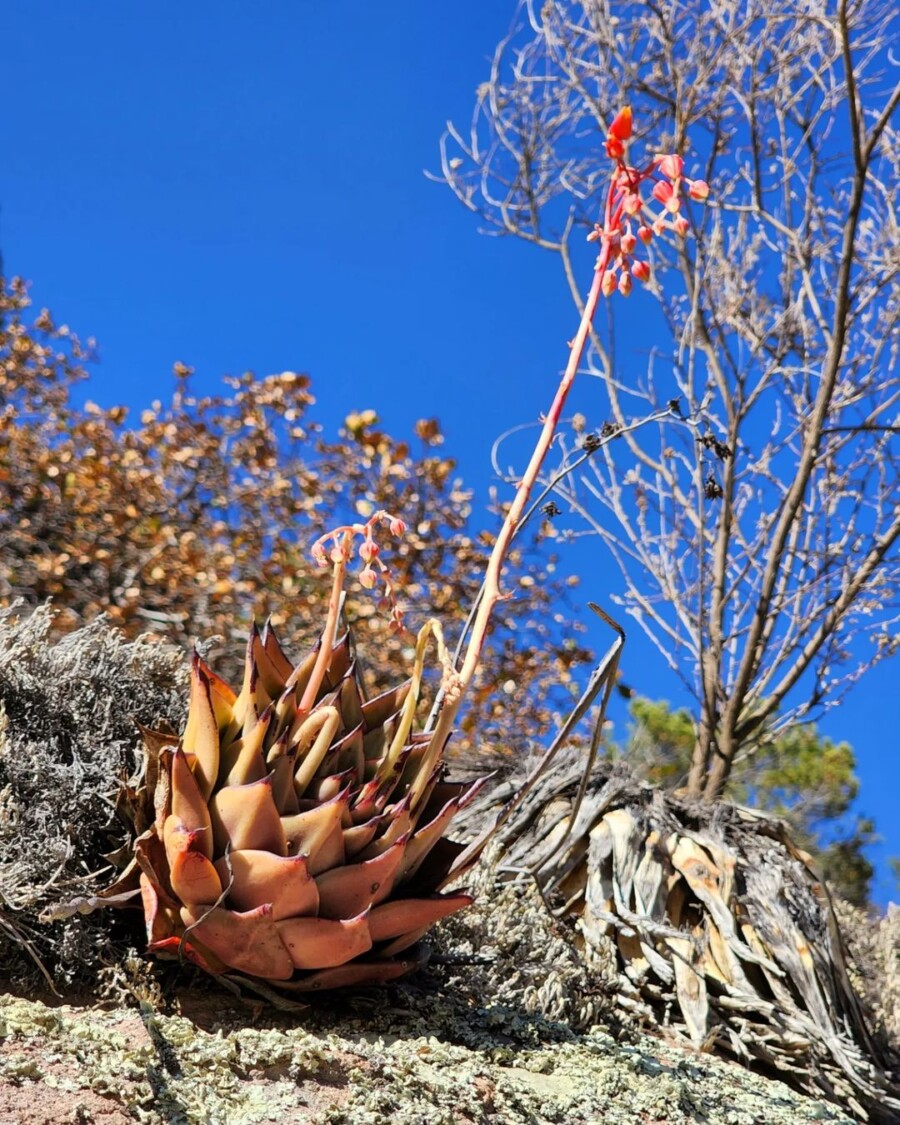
(69, 709)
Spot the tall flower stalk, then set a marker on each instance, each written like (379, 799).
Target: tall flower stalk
(627, 222)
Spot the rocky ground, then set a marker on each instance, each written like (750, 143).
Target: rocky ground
(403, 1058)
(511, 1022)
(507, 1024)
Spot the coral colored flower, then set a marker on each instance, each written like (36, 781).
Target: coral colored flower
(641, 271)
(627, 217)
(670, 165)
(368, 550)
(614, 148)
(665, 194)
(319, 554)
(698, 189)
(621, 126)
(368, 578)
(619, 132)
(397, 526)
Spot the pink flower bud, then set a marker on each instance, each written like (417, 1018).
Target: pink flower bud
(368, 578)
(659, 225)
(698, 189)
(641, 271)
(664, 193)
(608, 284)
(337, 555)
(397, 526)
(368, 550)
(319, 555)
(625, 284)
(631, 204)
(681, 225)
(628, 243)
(645, 234)
(669, 164)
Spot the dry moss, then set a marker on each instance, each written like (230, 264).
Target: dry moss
(874, 946)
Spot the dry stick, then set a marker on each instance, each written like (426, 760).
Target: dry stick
(17, 935)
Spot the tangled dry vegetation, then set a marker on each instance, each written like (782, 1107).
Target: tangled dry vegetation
(713, 925)
(69, 735)
(511, 987)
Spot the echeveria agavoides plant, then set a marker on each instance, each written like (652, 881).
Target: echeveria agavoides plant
(297, 831)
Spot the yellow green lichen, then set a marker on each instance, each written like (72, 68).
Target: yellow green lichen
(168, 1069)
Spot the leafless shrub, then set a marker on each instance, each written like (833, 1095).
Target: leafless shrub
(756, 545)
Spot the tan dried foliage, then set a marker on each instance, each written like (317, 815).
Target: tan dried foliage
(874, 944)
(195, 516)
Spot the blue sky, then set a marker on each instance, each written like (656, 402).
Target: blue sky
(241, 186)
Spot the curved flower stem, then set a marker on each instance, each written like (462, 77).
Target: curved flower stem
(614, 269)
(455, 691)
(567, 470)
(334, 612)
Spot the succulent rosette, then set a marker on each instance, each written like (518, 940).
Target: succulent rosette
(298, 828)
